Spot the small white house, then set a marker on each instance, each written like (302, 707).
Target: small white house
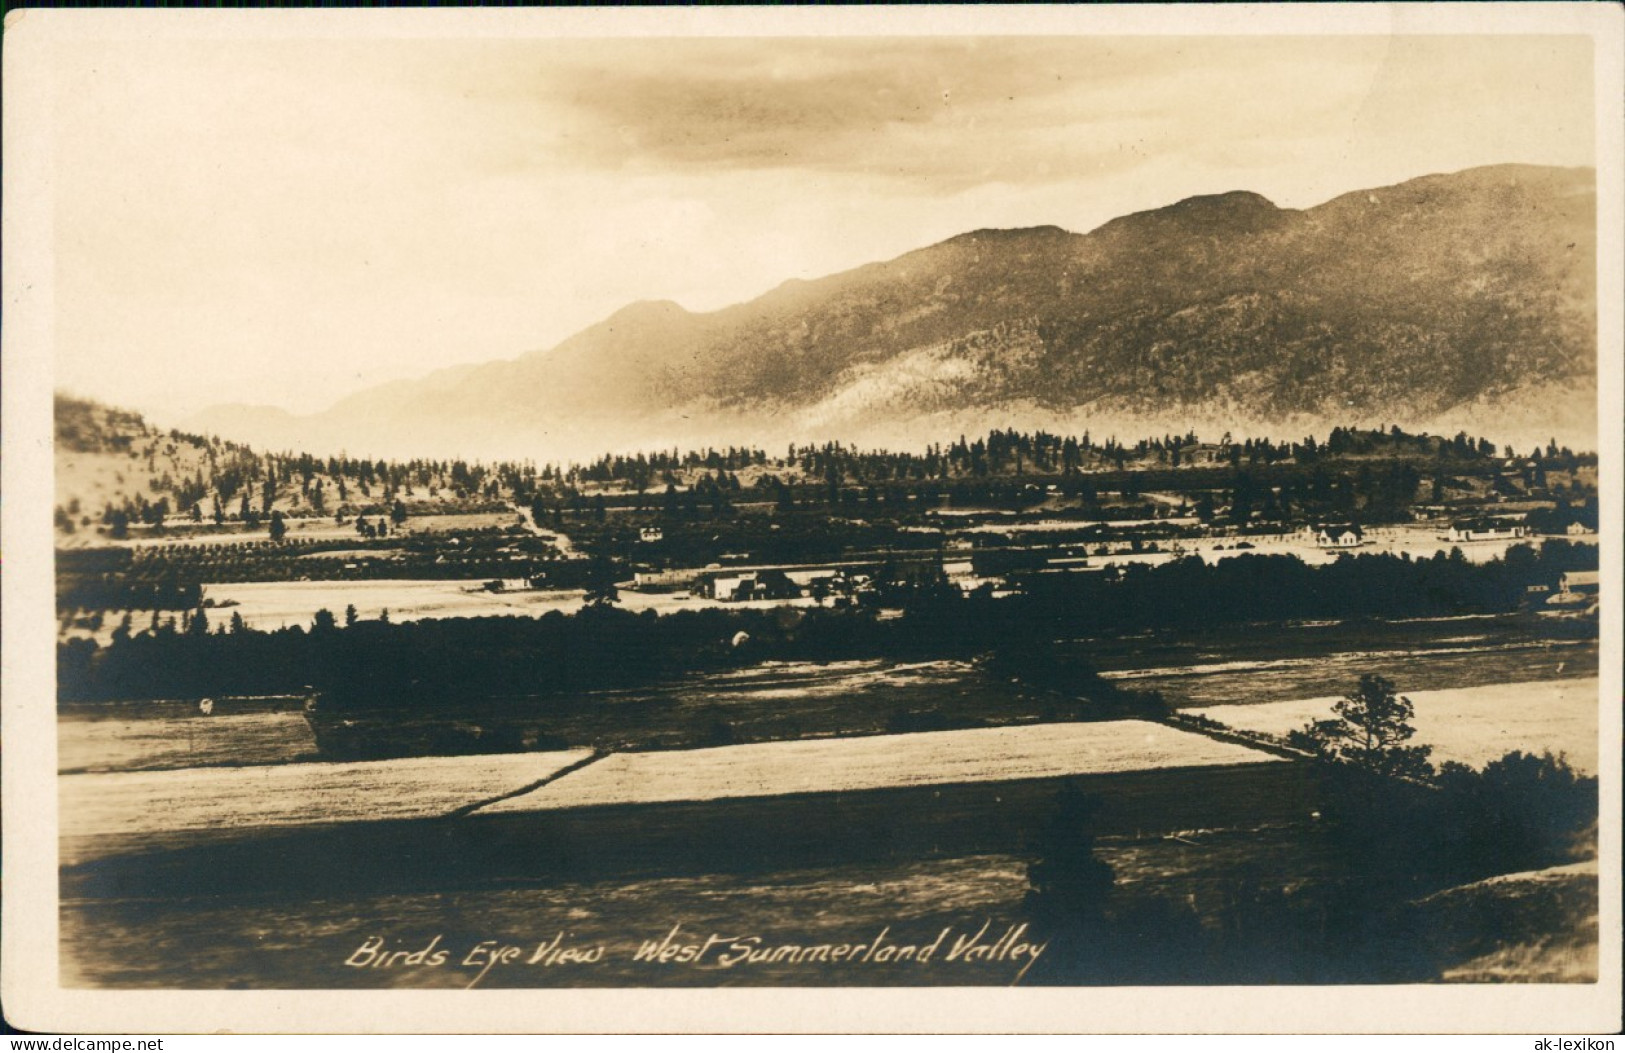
(651, 533)
(732, 587)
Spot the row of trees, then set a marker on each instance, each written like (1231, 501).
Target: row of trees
(213, 479)
(603, 645)
(1009, 452)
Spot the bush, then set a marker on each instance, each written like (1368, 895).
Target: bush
(1521, 812)
(1068, 886)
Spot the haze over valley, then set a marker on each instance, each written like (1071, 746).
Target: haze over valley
(1448, 302)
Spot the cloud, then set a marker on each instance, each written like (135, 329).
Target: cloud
(939, 116)
(937, 113)
(285, 221)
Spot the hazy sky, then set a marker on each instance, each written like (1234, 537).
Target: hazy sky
(285, 222)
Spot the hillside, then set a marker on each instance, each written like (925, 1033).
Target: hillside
(1449, 301)
(115, 471)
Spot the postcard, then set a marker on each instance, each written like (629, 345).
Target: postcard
(889, 519)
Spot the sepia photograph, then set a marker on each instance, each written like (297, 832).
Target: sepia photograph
(995, 518)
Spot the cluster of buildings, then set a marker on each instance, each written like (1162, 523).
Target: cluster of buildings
(742, 584)
(1487, 528)
(966, 564)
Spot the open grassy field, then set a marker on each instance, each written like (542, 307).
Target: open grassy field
(151, 741)
(634, 841)
(764, 702)
(273, 941)
(474, 820)
(1246, 665)
(787, 700)
(273, 605)
(1533, 927)
(1471, 725)
(770, 700)
(1469, 664)
(301, 934)
(155, 735)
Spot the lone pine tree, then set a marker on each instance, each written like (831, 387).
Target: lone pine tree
(1371, 732)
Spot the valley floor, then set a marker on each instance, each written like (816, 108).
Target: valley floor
(1478, 684)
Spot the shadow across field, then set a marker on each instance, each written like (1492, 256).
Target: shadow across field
(745, 835)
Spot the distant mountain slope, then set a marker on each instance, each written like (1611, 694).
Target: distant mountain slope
(1464, 300)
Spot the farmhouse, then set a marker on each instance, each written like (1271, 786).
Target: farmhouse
(824, 580)
(1339, 535)
(729, 587)
(651, 534)
(1486, 530)
(767, 584)
(507, 585)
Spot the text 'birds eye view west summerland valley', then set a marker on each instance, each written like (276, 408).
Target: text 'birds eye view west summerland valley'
(806, 512)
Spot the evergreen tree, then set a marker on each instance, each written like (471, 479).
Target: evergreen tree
(600, 585)
(1371, 730)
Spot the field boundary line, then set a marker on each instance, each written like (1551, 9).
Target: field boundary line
(1235, 736)
(469, 809)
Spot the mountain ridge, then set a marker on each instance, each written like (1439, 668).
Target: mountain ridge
(1455, 295)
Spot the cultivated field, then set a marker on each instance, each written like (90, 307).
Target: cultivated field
(879, 762)
(1471, 725)
(119, 803)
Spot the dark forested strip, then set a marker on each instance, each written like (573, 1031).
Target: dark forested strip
(603, 647)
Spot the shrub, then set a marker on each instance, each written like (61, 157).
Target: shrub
(1521, 812)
